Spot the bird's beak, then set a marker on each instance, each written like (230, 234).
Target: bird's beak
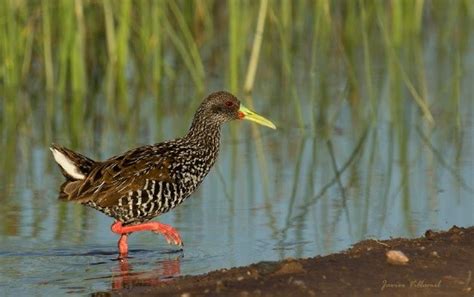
(247, 114)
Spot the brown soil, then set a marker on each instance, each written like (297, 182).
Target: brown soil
(440, 264)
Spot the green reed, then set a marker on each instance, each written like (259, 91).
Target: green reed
(86, 60)
(126, 44)
(235, 13)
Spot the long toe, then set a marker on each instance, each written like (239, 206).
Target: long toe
(170, 234)
(174, 237)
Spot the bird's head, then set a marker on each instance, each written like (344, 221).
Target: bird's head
(223, 107)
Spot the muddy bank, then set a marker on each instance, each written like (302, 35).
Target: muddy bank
(439, 264)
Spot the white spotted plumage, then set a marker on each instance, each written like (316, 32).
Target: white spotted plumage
(169, 172)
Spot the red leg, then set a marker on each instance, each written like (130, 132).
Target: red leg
(170, 234)
(123, 246)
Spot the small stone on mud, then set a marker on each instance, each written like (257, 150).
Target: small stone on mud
(396, 257)
(240, 278)
(290, 267)
(435, 254)
(186, 295)
(429, 234)
(299, 283)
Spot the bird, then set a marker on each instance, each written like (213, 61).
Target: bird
(145, 182)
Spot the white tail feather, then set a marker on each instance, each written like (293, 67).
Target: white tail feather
(67, 164)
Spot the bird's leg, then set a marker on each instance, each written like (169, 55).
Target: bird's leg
(170, 234)
(123, 246)
(122, 243)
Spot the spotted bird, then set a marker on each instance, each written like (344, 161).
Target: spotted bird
(150, 180)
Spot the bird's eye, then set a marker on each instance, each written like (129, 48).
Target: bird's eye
(229, 103)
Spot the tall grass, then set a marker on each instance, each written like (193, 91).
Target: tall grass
(83, 68)
(67, 46)
(84, 56)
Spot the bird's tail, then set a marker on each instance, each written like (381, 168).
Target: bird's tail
(74, 166)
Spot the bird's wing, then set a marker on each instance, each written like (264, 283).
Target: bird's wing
(114, 178)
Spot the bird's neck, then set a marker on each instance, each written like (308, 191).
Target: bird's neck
(205, 133)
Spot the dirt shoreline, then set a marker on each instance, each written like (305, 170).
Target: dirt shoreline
(440, 264)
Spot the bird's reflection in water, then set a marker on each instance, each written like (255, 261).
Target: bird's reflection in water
(124, 276)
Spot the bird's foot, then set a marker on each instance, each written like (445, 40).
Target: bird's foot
(170, 234)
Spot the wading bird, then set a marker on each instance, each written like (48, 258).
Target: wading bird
(150, 180)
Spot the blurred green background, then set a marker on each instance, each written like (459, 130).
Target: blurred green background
(76, 58)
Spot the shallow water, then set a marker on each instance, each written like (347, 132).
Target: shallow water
(351, 171)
